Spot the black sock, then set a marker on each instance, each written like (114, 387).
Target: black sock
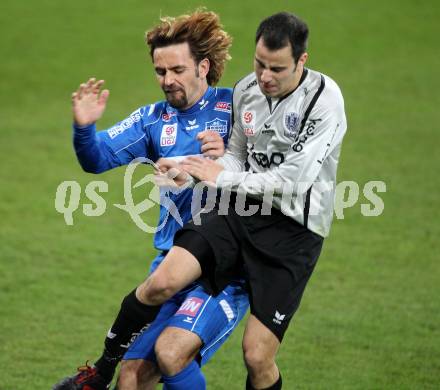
(276, 386)
(132, 317)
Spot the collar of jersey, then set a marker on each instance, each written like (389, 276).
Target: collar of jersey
(196, 106)
(270, 101)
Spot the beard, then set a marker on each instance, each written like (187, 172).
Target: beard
(176, 98)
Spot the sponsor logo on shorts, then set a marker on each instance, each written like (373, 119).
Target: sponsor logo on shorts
(190, 307)
(169, 135)
(229, 313)
(278, 317)
(223, 106)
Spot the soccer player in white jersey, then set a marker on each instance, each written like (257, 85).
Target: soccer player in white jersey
(280, 167)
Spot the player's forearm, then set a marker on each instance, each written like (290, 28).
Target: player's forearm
(90, 153)
(231, 162)
(256, 184)
(294, 176)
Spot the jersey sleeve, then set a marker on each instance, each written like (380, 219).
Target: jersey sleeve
(321, 134)
(235, 155)
(224, 99)
(126, 140)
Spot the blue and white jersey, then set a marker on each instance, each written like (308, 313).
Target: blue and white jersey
(155, 131)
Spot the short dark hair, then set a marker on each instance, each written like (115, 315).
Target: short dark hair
(280, 29)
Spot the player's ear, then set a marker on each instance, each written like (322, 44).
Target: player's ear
(203, 67)
(303, 59)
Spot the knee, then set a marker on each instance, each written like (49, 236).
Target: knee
(155, 290)
(129, 375)
(138, 374)
(170, 358)
(255, 357)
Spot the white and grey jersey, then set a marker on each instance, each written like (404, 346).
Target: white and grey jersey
(286, 150)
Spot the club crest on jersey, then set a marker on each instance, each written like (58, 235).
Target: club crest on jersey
(218, 125)
(223, 106)
(190, 307)
(248, 121)
(169, 135)
(291, 122)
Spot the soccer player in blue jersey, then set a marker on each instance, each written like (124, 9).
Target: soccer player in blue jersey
(188, 53)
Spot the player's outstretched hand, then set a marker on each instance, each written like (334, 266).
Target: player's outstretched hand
(212, 143)
(88, 102)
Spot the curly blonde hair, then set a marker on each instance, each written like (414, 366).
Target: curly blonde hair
(204, 34)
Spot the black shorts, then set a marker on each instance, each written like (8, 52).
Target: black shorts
(274, 253)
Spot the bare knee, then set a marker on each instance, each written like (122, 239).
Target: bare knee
(256, 357)
(168, 362)
(137, 374)
(175, 349)
(129, 374)
(177, 270)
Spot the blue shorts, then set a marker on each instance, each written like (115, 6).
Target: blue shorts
(212, 318)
